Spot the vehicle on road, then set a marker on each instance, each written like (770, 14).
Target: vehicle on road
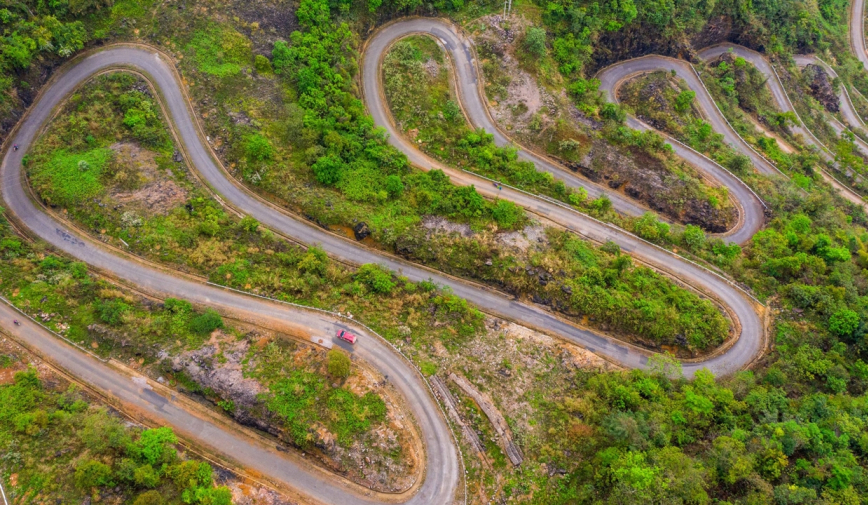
(346, 336)
(16, 322)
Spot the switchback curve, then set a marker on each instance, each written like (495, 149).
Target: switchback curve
(442, 466)
(460, 49)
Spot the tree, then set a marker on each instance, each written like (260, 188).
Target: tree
(535, 41)
(149, 498)
(693, 237)
(263, 66)
(328, 169)
(154, 446)
(843, 323)
(101, 432)
(684, 100)
(731, 460)
(146, 476)
(394, 186)
(92, 473)
(339, 363)
(258, 148)
(377, 279)
(506, 214)
(248, 223)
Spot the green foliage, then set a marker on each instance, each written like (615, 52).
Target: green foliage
(207, 322)
(112, 311)
(258, 149)
(91, 473)
(262, 64)
(693, 237)
(339, 363)
(844, 322)
(154, 446)
(297, 400)
(219, 50)
(376, 278)
(684, 100)
(506, 214)
(146, 476)
(149, 498)
(249, 224)
(68, 178)
(535, 41)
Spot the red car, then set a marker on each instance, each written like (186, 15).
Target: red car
(346, 336)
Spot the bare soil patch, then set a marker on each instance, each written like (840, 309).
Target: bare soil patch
(155, 191)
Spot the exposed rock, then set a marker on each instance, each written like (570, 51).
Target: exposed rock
(821, 87)
(361, 230)
(643, 178)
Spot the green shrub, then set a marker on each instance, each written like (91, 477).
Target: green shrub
(219, 50)
(693, 237)
(506, 214)
(535, 41)
(377, 279)
(149, 498)
(257, 148)
(62, 182)
(328, 169)
(91, 473)
(154, 446)
(111, 311)
(146, 476)
(248, 223)
(262, 64)
(843, 323)
(339, 363)
(207, 322)
(684, 100)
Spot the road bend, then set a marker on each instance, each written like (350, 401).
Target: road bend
(442, 469)
(782, 99)
(748, 344)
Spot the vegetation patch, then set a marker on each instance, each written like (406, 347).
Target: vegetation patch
(57, 444)
(68, 178)
(220, 51)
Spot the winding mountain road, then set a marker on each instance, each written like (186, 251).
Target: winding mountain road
(461, 54)
(782, 99)
(442, 466)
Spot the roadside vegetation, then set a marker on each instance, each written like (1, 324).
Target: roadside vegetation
(57, 443)
(742, 95)
(197, 351)
(140, 199)
(527, 99)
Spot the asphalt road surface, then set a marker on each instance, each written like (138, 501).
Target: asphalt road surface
(442, 468)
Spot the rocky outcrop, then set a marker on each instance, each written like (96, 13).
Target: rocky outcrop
(361, 231)
(644, 178)
(821, 87)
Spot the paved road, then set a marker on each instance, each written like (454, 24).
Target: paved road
(751, 206)
(784, 103)
(857, 31)
(441, 479)
(442, 465)
(474, 105)
(461, 54)
(747, 347)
